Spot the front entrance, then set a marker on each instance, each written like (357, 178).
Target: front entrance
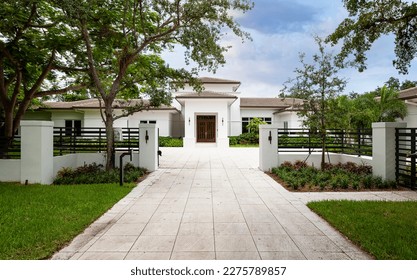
(206, 129)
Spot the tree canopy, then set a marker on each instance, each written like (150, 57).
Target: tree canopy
(123, 40)
(35, 48)
(369, 20)
(317, 83)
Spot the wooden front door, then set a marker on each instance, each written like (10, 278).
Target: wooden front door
(206, 129)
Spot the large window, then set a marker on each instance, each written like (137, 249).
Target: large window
(246, 121)
(72, 126)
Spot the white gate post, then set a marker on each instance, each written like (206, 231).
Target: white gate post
(148, 146)
(37, 152)
(268, 147)
(383, 148)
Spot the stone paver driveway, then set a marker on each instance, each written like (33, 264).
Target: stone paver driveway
(214, 204)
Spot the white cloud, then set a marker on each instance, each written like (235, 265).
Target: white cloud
(264, 64)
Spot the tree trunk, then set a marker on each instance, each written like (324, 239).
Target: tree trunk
(110, 136)
(6, 133)
(323, 149)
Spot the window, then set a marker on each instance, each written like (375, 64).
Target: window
(246, 121)
(286, 126)
(146, 121)
(72, 127)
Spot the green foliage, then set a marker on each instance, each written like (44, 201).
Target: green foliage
(170, 142)
(334, 176)
(387, 230)
(253, 126)
(317, 83)
(37, 50)
(94, 174)
(247, 138)
(369, 20)
(38, 220)
(123, 42)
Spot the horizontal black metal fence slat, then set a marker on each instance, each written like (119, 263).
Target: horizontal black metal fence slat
(298, 140)
(93, 139)
(13, 151)
(405, 157)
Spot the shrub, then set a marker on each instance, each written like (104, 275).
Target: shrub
(170, 142)
(95, 174)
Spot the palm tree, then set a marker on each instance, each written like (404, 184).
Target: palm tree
(389, 106)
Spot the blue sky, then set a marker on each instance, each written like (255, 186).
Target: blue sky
(281, 29)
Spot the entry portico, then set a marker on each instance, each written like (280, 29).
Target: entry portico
(207, 115)
(206, 118)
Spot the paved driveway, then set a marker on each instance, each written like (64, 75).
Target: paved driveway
(214, 204)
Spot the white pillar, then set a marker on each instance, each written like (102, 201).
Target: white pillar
(383, 148)
(148, 146)
(268, 147)
(37, 152)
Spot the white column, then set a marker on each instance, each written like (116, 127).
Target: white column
(383, 148)
(37, 148)
(148, 146)
(268, 147)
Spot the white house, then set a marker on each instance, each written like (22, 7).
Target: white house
(410, 98)
(207, 118)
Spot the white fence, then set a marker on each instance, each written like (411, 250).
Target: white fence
(38, 165)
(382, 160)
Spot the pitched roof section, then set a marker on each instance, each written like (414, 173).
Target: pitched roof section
(208, 80)
(274, 103)
(95, 104)
(205, 94)
(407, 94)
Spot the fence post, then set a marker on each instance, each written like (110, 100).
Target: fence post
(383, 148)
(37, 152)
(268, 147)
(148, 146)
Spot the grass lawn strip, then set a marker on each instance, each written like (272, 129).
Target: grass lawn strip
(387, 230)
(38, 220)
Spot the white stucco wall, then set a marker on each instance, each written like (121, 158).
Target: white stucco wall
(10, 170)
(59, 117)
(411, 118)
(293, 120)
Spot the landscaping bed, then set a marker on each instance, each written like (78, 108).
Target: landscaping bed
(387, 230)
(95, 174)
(299, 176)
(38, 220)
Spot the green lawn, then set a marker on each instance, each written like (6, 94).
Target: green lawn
(37, 220)
(387, 230)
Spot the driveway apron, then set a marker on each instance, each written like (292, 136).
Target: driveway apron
(209, 203)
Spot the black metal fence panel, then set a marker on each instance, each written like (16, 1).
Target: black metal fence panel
(93, 139)
(12, 150)
(298, 140)
(405, 157)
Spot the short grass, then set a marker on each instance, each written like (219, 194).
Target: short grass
(245, 146)
(387, 230)
(37, 220)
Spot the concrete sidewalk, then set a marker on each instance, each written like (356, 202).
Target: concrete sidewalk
(215, 204)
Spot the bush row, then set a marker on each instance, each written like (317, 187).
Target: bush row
(243, 139)
(170, 142)
(335, 177)
(95, 174)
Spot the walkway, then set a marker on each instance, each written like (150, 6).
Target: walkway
(215, 204)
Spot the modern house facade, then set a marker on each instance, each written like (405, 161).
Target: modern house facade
(206, 118)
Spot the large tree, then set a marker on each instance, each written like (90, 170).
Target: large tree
(120, 35)
(369, 20)
(34, 59)
(317, 83)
